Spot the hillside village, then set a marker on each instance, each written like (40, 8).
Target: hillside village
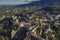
(43, 23)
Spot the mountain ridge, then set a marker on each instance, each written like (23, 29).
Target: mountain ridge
(36, 3)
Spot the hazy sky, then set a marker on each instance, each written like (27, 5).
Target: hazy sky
(16, 1)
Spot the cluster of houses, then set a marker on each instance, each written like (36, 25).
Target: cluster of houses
(54, 18)
(31, 24)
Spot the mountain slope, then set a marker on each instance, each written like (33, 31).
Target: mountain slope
(39, 3)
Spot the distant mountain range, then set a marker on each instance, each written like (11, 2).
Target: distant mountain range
(36, 3)
(44, 2)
